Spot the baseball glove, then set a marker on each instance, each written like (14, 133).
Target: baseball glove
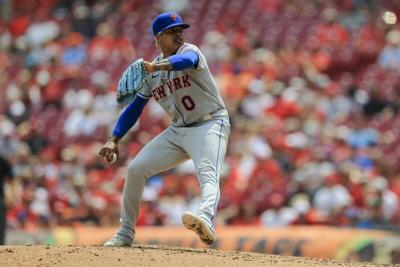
(131, 82)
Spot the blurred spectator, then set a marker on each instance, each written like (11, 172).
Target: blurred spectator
(246, 215)
(5, 176)
(389, 57)
(362, 136)
(81, 121)
(74, 52)
(332, 196)
(82, 21)
(174, 5)
(171, 202)
(41, 30)
(384, 202)
(278, 215)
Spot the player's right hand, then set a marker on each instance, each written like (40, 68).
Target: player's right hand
(109, 151)
(149, 66)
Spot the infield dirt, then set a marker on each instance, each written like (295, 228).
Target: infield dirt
(149, 256)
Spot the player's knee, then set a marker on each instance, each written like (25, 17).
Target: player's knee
(136, 170)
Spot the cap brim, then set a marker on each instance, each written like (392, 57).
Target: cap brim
(183, 25)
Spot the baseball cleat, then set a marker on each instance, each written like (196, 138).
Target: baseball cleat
(117, 241)
(199, 226)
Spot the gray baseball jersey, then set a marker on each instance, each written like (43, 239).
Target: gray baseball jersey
(186, 95)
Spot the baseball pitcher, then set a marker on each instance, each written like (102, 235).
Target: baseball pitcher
(180, 81)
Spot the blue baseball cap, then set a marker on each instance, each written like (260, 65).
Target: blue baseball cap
(166, 21)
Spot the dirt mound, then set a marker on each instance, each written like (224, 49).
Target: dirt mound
(148, 256)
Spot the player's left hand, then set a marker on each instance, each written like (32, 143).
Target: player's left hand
(131, 82)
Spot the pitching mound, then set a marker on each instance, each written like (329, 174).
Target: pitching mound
(148, 256)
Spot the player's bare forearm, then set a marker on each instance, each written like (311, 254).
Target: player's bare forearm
(163, 64)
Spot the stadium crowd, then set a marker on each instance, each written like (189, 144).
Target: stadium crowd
(312, 87)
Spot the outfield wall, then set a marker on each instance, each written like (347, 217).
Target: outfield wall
(315, 241)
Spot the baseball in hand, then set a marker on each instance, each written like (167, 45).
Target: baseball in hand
(114, 158)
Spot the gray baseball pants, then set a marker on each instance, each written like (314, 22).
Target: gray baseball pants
(204, 143)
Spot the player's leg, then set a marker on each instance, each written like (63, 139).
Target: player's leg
(158, 155)
(206, 145)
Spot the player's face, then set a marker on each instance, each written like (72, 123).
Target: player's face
(171, 39)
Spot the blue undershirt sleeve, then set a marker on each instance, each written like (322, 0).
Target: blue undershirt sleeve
(185, 60)
(129, 116)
